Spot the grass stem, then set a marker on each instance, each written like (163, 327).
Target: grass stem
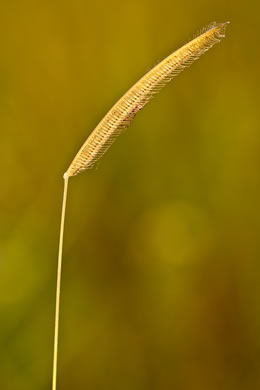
(57, 306)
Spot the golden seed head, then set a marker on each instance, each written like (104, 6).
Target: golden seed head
(123, 112)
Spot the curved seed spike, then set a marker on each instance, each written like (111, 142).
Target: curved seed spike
(123, 112)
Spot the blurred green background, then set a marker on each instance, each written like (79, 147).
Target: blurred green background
(161, 277)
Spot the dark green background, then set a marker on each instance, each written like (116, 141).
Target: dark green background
(161, 277)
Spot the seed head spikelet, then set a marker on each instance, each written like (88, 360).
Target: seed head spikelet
(123, 112)
(118, 119)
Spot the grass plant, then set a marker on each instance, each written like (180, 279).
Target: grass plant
(119, 118)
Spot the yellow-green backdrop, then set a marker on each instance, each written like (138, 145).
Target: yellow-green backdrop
(161, 277)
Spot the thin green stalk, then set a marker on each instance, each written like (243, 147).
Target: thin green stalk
(57, 306)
